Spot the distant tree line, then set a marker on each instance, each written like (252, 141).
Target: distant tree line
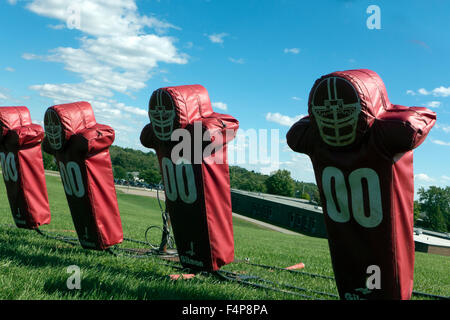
(432, 210)
(49, 162)
(279, 183)
(126, 160)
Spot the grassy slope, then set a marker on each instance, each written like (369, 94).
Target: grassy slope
(32, 267)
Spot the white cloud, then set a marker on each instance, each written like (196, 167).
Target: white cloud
(422, 91)
(134, 51)
(433, 104)
(30, 56)
(410, 92)
(118, 64)
(300, 166)
(296, 98)
(3, 97)
(65, 92)
(440, 142)
(282, 119)
(238, 61)
(56, 26)
(445, 128)
(423, 177)
(116, 52)
(437, 92)
(217, 37)
(302, 158)
(134, 110)
(9, 69)
(100, 17)
(220, 105)
(447, 178)
(441, 92)
(292, 50)
(13, 2)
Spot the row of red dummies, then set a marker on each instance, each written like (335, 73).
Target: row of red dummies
(360, 145)
(198, 198)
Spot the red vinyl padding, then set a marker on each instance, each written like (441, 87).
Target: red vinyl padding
(23, 168)
(81, 149)
(197, 192)
(366, 186)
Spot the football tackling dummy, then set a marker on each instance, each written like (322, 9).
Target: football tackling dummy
(196, 178)
(361, 146)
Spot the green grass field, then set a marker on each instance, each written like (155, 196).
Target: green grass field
(33, 267)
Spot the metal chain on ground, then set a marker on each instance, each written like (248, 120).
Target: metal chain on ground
(131, 253)
(166, 245)
(243, 279)
(167, 240)
(414, 293)
(314, 275)
(70, 240)
(429, 295)
(227, 275)
(246, 261)
(234, 277)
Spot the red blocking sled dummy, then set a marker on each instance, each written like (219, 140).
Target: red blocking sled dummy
(23, 168)
(81, 148)
(196, 180)
(361, 149)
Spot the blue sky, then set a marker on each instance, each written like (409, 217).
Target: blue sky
(258, 60)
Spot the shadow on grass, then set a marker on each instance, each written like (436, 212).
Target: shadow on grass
(93, 288)
(143, 284)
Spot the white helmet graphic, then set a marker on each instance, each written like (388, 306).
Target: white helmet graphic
(336, 107)
(53, 129)
(162, 114)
